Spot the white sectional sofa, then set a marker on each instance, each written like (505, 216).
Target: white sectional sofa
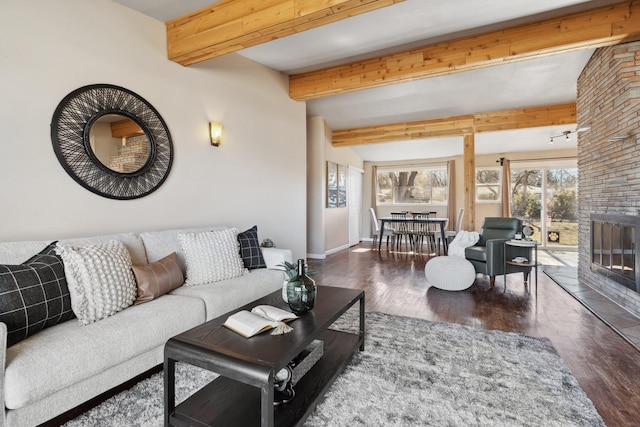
(65, 365)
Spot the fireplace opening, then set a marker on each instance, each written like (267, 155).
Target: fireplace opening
(614, 239)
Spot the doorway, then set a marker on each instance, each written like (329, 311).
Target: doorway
(545, 197)
(355, 205)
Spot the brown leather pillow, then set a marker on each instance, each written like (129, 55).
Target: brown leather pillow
(157, 278)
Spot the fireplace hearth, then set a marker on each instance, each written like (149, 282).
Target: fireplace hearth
(614, 243)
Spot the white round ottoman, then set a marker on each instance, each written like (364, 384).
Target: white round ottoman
(451, 273)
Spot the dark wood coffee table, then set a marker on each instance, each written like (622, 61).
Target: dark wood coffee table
(243, 393)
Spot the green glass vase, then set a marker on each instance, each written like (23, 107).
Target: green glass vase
(301, 291)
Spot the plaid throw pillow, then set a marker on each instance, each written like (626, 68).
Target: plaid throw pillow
(250, 249)
(34, 295)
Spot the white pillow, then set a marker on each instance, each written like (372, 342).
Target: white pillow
(211, 256)
(100, 279)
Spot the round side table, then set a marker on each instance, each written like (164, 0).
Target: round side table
(532, 246)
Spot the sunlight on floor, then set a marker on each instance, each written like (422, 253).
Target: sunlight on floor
(568, 258)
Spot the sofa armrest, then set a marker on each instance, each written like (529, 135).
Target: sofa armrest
(3, 361)
(275, 256)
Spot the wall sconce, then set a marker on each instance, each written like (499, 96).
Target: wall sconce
(215, 131)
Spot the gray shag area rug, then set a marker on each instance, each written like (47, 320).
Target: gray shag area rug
(413, 372)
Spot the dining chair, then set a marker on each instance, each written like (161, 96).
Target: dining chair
(388, 231)
(423, 231)
(402, 230)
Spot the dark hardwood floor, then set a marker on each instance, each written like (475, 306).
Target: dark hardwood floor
(606, 366)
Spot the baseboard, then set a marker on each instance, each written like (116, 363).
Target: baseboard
(329, 252)
(338, 249)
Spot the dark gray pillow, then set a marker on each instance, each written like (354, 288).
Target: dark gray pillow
(34, 295)
(250, 249)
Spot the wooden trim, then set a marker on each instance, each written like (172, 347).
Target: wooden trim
(469, 181)
(231, 25)
(402, 131)
(522, 118)
(585, 30)
(125, 128)
(519, 118)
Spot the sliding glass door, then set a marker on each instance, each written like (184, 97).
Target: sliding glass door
(545, 197)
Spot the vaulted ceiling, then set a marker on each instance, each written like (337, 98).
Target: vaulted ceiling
(403, 79)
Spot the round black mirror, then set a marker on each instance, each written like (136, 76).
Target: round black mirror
(112, 141)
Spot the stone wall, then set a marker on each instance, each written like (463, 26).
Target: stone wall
(609, 153)
(132, 156)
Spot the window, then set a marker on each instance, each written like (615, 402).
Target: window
(422, 185)
(488, 184)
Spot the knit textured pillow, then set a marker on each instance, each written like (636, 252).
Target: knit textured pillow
(100, 279)
(33, 295)
(250, 249)
(211, 256)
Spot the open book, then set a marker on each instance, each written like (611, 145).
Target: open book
(261, 318)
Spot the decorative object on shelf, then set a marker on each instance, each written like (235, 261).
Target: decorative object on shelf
(527, 232)
(301, 289)
(78, 130)
(283, 387)
(215, 132)
(303, 362)
(287, 377)
(267, 243)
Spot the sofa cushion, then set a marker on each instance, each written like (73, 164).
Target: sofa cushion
(131, 241)
(100, 279)
(221, 297)
(211, 256)
(16, 252)
(159, 244)
(67, 353)
(157, 278)
(34, 295)
(250, 249)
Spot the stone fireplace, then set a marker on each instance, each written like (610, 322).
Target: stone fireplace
(609, 173)
(614, 243)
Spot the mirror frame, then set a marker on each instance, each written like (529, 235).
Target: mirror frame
(70, 126)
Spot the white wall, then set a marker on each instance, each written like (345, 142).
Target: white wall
(257, 176)
(328, 227)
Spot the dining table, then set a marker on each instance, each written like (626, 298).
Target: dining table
(414, 220)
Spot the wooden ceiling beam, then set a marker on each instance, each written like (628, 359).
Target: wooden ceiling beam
(519, 118)
(231, 25)
(604, 26)
(448, 126)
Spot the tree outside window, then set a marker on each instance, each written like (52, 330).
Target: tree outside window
(488, 183)
(412, 186)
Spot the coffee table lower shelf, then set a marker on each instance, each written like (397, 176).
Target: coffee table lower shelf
(225, 402)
